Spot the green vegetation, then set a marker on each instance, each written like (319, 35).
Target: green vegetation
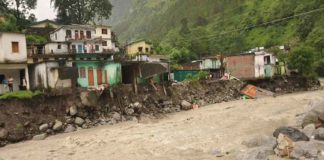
(303, 59)
(20, 95)
(200, 76)
(36, 39)
(188, 29)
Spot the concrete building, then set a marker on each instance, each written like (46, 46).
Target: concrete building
(139, 47)
(45, 24)
(13, 61)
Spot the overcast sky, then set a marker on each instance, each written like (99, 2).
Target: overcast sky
(44, 10)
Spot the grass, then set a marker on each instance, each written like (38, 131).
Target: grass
(20, 95)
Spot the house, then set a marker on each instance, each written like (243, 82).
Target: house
(13, 61)
(45, 24)
(139, 47)
(250, 66)
(84, 50)
(213, 65)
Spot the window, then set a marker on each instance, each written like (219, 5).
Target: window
(73, 48)
(82, 72)
(267, 60)
(97, 47)
(15, 47)
(68, 34)
(59, 46)
(104, 31)
(55, 36)
(81, 34)
(147, 50)
(104, 43)
(89, 34)
(76, 34)
(140, 49)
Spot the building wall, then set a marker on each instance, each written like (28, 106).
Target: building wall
(61, 33)
(133, 48)
(54, 47)
(113, 73)
(6, 54)
(262, 69)
(13, 70)
(99, 32)
(210, 64)
(241, 66)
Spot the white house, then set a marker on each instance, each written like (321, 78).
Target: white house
(13, 60)
(264, 64)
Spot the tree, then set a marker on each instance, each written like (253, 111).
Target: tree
(303, 59)
(81, 11)
(22, 7)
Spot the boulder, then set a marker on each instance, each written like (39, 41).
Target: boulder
(58, 125)
(69, 128)
(284, 145)
(43, 127)
(40, 137)
(293, 133)
(73, 110)
(185, 105)
(129, 111)
(116, 116)
(258, 153)
(309, 130)
(313, 116)
(319, 134)
(304, 149)
(3, 134)
(16, 135)
(89, 98)
(79, 121)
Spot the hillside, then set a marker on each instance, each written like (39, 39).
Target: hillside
(194, 27)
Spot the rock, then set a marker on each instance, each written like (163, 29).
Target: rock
(258, 153)
(79, 121)
(309, 130)
(40, 137)
(201, 103)
(186, 105)
(43, 127)
(314, 114)
(136, 104)
(319, 134)
(134, 119)
(284, 145)
(3, 134)
(49, 131)
(89, 98)
(129, 111)
(73, 110)
(293, 133)
(304, 149)
(58, 125)
(260, 140)
(27, 124)
(69, 120)
(112, 121)
(16, 135)
(116, 116)
(85, 126)
(69, 128)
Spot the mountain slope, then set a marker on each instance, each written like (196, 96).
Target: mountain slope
(193, 27)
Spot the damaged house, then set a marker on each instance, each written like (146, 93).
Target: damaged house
(13, 61)
(256, 65)
(76, 55)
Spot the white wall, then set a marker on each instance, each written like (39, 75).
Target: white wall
(54, 46)
(259, 66)
(99, 32)
(61, 33)
(6, 54)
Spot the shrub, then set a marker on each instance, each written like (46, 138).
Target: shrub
(20, 95)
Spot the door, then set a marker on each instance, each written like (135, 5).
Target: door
(90, 77)
(99, 76)
(80, 48)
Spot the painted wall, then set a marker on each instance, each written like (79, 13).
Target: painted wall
(6, 54)
(260, 65)
(13, 70)
(113, 71)
(99, 32)
(210, 64)
(61, 33)
(132, 49)
(54, 47)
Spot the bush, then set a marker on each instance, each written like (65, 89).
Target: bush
(20, 95)
(303, 59)
(200, 76)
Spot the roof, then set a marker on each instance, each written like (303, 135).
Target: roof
(11, 33)
(72, 26)
(44, 21)
(211, 57)
(102, 25)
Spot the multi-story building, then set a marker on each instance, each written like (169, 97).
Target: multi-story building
(13, 61)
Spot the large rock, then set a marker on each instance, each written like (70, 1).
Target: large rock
(116, 116)
(43, 127)
(69, 128)
(309, 130)
(73, 110)
(313, 116)
(319, 134)
(129, 111)
(258, 153)
(79, 121)
(304, 149)
(185, 105)
(293, 133)
(89, 98)
(284, 145)
(3, 134)
(58, 125)
(40, 137)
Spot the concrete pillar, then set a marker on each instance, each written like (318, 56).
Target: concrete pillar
(27, 78)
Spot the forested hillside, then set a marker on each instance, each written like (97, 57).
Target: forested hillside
(187, 28)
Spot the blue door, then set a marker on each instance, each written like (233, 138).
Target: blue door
(80, 48)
